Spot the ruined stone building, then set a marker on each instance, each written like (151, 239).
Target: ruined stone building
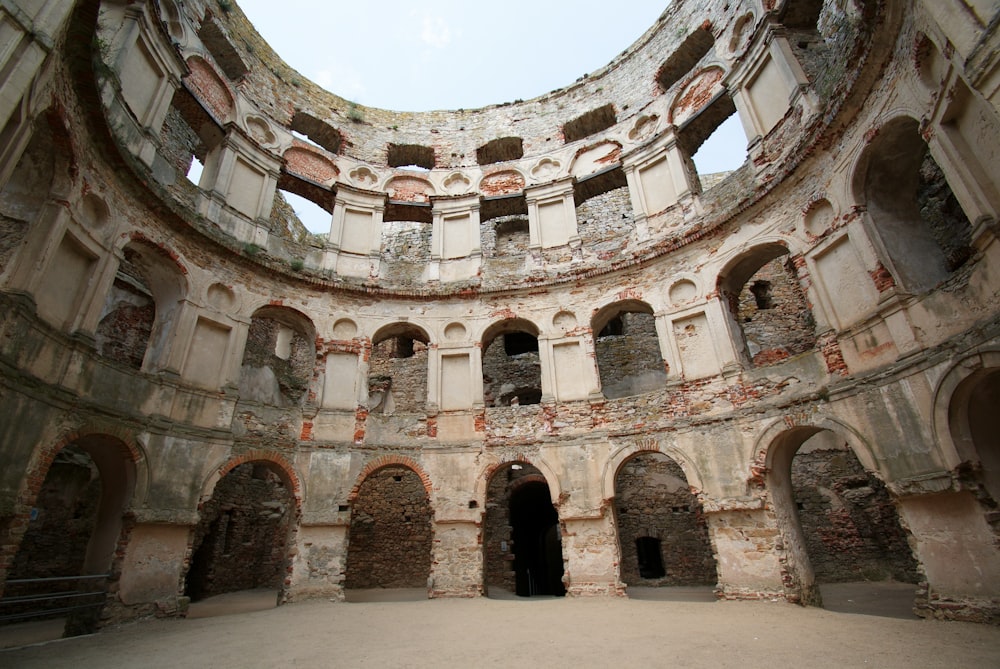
(536, 350)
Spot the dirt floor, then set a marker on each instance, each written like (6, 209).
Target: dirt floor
(654, 628)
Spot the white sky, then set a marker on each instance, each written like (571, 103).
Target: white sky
(448, 54)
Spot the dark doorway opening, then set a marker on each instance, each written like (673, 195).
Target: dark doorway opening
(242, 538)
(522, 547)
(647, 549)
(538, 564)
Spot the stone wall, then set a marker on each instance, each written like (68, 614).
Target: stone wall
(241, 539)
(271, 378)
(391, 535)
(63, 519)
(850, 524)
(939, 208)
(629, 357)
(510, 379)
(776, 320)
(605, 222)
(653, 499)
(397, 379)
(498, 567)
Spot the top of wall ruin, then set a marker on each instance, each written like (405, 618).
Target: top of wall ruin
(650, 107)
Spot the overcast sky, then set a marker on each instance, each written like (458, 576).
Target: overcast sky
(452, 54)
(448, 54)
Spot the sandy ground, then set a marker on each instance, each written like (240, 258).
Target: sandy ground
(675, 628)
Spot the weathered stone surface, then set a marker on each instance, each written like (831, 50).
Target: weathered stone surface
(842, 282)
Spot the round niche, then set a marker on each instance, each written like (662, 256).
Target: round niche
(345, 328)
(682, 292)
(818, 217)
(454, 332)
(564, 320)
(221, 297)
(93, 211)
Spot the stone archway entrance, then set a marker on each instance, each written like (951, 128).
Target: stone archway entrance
(241, 540)
(975, 423)
(838, 521)
(66, 554)
(522, 535)
(662, 531)
(391, 535)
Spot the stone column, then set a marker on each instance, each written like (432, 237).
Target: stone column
(748, 548)
(317, 562)
(658, 179)
(152, 566)
(957, 551)
(457, 563)
(591, 556)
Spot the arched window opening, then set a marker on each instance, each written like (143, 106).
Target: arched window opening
(279, 358)
(410, 156)
(837, 519)
(768, 306)
(512, 369)
(628, 352)
(299, 217)
(662, 532)
(128, 315)
(314, 131)
(919, 223)
(242, 537)
(397, 372)
(723, 148)
(685, 57)
(522, 541)
(391, 535)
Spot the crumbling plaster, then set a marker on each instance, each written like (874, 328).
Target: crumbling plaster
(879, 376)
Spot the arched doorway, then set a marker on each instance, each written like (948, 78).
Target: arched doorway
(974, 423)
(662, 531)
(74, 528)
(838, 521)
(241, 540)
(391, 534)
(521, 534)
